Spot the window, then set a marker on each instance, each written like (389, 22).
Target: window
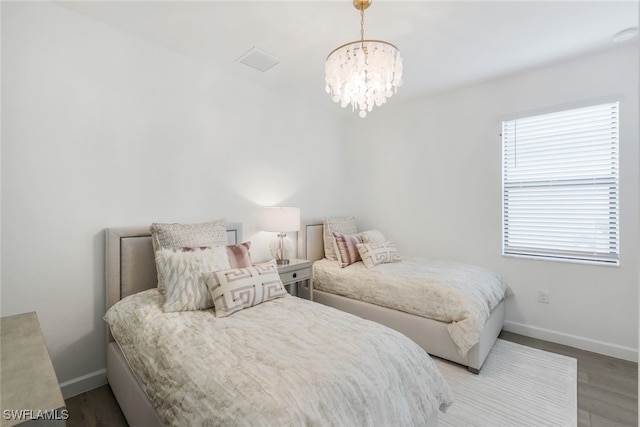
(560, 185)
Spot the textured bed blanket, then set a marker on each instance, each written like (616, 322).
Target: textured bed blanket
(461, 295)
(286, 362)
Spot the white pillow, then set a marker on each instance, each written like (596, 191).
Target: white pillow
(182, 275)
(374, 254)
(235, 289)
(372, 236)
(346, 225)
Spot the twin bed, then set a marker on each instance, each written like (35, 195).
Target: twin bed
(454, 311)
(286, 361)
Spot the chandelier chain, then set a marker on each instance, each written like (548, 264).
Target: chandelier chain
(364, 49)
(362, 23)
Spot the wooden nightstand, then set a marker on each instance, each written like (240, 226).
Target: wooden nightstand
(298, 270)
(29, 386)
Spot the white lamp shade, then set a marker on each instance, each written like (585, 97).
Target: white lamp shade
(280, 220)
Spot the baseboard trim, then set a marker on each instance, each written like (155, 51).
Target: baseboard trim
(83, 383)
(601, 347)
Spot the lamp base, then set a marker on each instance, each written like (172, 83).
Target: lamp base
(280, 249)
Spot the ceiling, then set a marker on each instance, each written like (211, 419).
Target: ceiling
(444, 44)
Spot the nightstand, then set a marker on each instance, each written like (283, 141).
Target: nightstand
(298, 270)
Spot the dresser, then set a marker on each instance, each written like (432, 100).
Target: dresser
(29, 387)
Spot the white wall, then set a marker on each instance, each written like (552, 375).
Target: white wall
(428, 175)
(101, 129)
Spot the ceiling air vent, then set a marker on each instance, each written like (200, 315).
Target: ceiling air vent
(258, 59)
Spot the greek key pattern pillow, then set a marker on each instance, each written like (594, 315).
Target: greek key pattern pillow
(235, 289)
(374, 254)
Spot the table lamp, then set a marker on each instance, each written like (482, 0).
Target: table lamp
(280, 220)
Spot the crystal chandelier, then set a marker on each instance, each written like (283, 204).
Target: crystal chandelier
(363, 73)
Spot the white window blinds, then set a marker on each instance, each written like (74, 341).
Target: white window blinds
(560, 185)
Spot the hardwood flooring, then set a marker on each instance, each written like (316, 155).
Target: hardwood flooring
(95, 408)
(607, 391)
(607, 387)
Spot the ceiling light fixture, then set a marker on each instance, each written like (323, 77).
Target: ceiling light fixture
(363, 73)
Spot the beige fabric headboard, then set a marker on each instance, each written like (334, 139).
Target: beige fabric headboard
(311, 241)
(130, 262)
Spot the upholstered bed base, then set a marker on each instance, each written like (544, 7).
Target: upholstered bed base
(133, 401)
(429, 334)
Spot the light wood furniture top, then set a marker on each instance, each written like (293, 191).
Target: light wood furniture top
(28, 383)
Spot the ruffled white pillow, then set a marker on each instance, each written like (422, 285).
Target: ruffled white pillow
(180, 235)
(182, 274)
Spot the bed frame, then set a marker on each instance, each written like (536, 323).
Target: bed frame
(131, 268)
(432, 335)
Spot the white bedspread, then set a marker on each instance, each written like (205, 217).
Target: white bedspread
(286, 362)
(461, 295)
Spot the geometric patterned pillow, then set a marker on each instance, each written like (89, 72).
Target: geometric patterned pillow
(181, 273)
(176, 235)
(239, 288)
(374, 254)
(345, 225)
(346, 248)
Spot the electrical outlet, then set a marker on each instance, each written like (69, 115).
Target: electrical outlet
(543, 296)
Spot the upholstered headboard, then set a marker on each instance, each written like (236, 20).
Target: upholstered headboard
(311, 241)
(130, 261)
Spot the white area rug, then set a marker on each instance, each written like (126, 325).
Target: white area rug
(517, 386)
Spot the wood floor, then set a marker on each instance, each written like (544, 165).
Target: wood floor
(607, 387)
(607, 391)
